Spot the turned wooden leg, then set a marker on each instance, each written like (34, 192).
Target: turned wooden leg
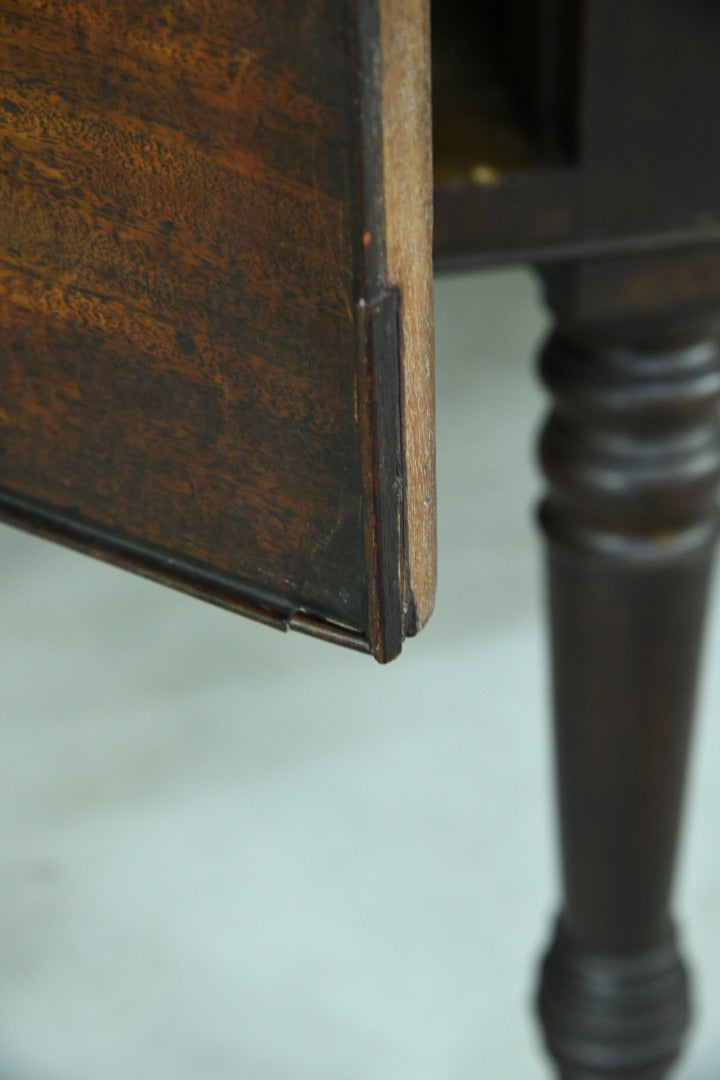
(631, 453)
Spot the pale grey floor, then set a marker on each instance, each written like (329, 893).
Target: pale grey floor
(227, 854)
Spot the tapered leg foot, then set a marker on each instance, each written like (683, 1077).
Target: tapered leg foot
(613, 1016)
(631, 452)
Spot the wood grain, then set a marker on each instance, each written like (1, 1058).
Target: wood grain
(179, 293)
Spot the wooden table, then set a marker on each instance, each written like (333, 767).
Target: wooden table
(216, 342)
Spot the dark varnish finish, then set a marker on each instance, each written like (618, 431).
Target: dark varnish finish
(177, 327)
(631, 452)
(183, 232)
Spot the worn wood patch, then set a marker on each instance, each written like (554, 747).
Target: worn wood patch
(408, 191)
